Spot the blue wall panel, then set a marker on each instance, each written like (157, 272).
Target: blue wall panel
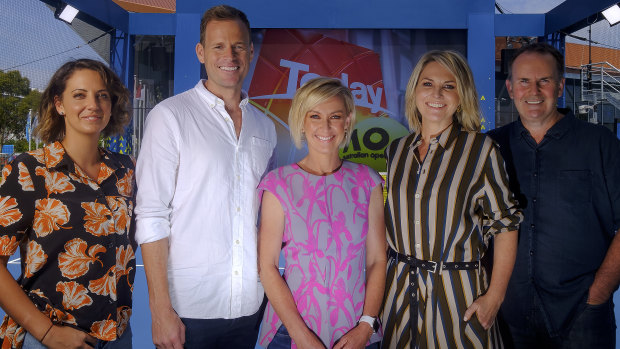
(186, 65)
(481, 57)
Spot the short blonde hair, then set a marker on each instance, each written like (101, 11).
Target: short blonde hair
(468, 115)
(51, 126)
(313, 93)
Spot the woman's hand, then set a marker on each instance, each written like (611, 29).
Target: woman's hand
(356, 338)
(307, 340)
(68, 337)
(486, 308)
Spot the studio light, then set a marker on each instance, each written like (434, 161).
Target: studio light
(612, 14)
(66, 13)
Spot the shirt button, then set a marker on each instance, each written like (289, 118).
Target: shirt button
(238, 209)
(237, 242)
(531, 252)
(532, 226)
(417, 222)
(535, 174)
(417, 245)
(236, 272)
(417, 195)
(534, 200)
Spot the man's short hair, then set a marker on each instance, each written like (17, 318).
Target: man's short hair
(542, 49)
(222, 13)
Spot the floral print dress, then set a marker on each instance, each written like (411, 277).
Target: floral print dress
(75, 240)
(326, 223)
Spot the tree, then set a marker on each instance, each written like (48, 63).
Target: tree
(16, 99)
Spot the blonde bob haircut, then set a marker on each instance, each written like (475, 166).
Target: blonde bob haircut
(468, 113)
(313, 93)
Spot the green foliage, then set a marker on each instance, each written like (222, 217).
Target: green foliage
(21, 145)
(16, 99)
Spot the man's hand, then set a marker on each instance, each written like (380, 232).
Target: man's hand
(596, 296)
(168, 329)
(356, 338)
(486, 308)
(68, 337)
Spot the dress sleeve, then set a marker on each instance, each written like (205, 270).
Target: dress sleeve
(375, 178)
(156, 175)
(269, 183)
(17, 203)
(498, 204)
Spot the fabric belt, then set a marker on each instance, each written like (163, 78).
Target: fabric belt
(412, 290)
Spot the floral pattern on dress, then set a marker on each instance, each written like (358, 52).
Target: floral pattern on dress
(325, 228)
(24, 178)
(75, 261)
(74, 295)
(79, 266)
(50, 215)
(9, 212)
(35, 258)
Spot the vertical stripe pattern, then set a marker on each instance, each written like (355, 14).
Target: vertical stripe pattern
(444, 208)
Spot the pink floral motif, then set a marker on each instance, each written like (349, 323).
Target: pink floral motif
(326, 223)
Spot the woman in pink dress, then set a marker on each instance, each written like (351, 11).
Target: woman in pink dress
(326, 215)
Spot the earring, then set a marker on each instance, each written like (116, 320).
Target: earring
(459, 109)
(62, 113)
(346, 131)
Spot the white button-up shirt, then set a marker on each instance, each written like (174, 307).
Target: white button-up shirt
(197, 186)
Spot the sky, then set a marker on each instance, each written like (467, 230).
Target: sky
(35, 43)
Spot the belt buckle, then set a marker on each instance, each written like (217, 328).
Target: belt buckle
(434, 264)
(437, 267)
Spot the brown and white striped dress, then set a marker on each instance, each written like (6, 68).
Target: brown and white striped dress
(445, 208)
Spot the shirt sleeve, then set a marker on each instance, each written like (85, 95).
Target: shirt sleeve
(611, 167)
(156, 175)
(498, 204)
(17, 204)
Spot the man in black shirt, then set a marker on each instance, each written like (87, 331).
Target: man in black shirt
(566, 176)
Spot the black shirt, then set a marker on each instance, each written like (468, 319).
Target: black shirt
(568, 187)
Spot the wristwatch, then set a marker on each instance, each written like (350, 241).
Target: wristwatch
(372, 321)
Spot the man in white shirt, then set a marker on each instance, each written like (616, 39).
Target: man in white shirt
(203, 154)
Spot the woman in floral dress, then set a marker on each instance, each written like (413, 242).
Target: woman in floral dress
(68, 207)
(327, 216)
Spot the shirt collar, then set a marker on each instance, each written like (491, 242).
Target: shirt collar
(556, 131)
(214, 100)
(445, 138)
(56, 158)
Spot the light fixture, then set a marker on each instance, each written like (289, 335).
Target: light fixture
(66, 13)
(612, 14)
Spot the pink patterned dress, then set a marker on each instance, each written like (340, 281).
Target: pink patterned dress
(326, 222)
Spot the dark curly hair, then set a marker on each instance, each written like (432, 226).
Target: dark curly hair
(51, 126)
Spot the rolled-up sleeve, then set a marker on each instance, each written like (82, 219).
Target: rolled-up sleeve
(499, 206)
(156, 175)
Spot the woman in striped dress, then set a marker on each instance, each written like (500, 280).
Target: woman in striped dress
(447, 197)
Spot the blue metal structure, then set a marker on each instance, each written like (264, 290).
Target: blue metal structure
(477, 17)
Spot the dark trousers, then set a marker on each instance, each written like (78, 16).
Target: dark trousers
(222, 333)
(594, 326)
